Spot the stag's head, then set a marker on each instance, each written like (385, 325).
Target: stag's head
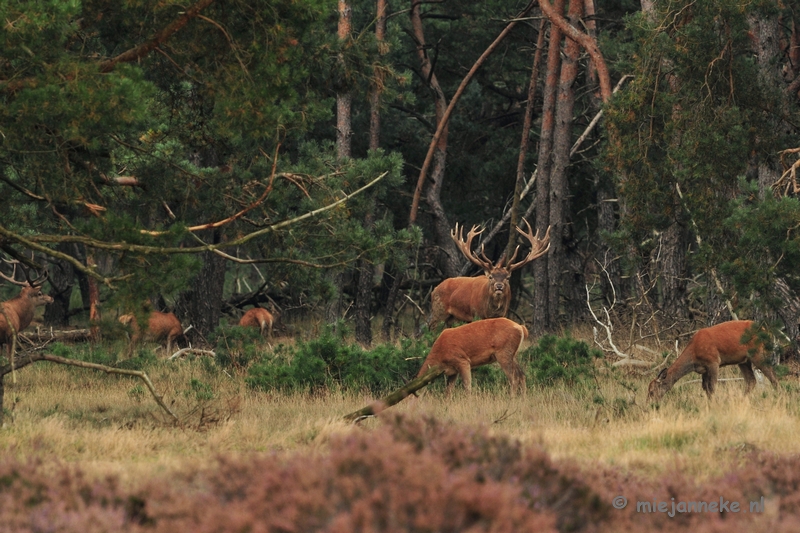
(658, 387)
(498, 274)
(31, 289)
(35, 295)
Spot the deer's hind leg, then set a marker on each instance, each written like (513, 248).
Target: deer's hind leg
(749, 376)
(513, 371)
(710, 379)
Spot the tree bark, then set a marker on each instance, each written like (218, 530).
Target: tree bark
(397, 396)
(672, 271)
(560, 222)
(449, 258)
(542, 319)
(364, 269)
(62, 279)
(201, 305)
(766, 44)
(513, 237)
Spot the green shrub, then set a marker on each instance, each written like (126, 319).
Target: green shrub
(330, 361)
(236, 347)
(559, 359)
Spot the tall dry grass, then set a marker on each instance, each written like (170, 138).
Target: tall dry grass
(109, 424)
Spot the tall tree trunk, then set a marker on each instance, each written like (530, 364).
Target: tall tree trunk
(365, 269)
(201, 305)
(562, 232)
(766, 41)
(672, 271)
(62, 279)
(542, 318)
(344, 133)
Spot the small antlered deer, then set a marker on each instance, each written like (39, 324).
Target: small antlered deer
(17, 313)
(160, 327)
(711, 348)
(458, 350)
(487, 296)
(258, 317)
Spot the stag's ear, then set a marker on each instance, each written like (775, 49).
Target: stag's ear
(661, 375)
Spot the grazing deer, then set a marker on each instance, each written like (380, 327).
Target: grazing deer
(160, 327)
(17, 313)
(711, 348)
(487, 296)
(459, 350)
(258, 317)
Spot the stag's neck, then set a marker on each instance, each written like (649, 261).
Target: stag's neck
(682, 366)
(496, 305)
(20, 310)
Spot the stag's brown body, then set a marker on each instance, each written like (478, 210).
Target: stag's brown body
(487, 296)
(464, 299)
(458, 350)
(711, 348)
(161, 327)
(258, 317)
(19, 311)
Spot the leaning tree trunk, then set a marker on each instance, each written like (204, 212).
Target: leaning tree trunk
(543, 321)
(449, 259)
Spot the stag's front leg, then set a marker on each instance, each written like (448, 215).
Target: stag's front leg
(451, 383)
(465, 371)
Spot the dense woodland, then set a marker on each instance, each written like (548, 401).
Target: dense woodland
(313, 156)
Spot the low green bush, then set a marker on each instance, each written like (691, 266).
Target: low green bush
(559, 360)
(331, 361)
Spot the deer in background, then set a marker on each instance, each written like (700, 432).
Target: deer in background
(17, 313)
(458, 350)
(711, 348)
(160, 327)
(258, 317)
(487, 296)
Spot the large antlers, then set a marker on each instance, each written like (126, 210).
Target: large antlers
(539, 247)
(466, 247)
(32, 283)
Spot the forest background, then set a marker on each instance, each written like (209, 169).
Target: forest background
(312, 157)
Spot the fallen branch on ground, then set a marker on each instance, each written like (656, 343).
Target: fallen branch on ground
(32, 358)
(396, 397)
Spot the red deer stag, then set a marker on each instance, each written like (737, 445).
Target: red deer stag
(459, 350)
(160, 327)
(485, 296)
(17, 313)
(711, 348)
(258, 317)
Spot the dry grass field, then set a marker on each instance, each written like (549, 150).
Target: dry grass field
(87, 451)
(110, 424)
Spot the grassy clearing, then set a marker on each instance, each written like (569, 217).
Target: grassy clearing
(110, 425)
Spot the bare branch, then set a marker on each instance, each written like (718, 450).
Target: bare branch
(143, 49)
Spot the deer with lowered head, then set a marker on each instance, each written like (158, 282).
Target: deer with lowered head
(161, 327)
(458, 350)
(258, 317)
(728, 343)
(487, 296)
(17, 313)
